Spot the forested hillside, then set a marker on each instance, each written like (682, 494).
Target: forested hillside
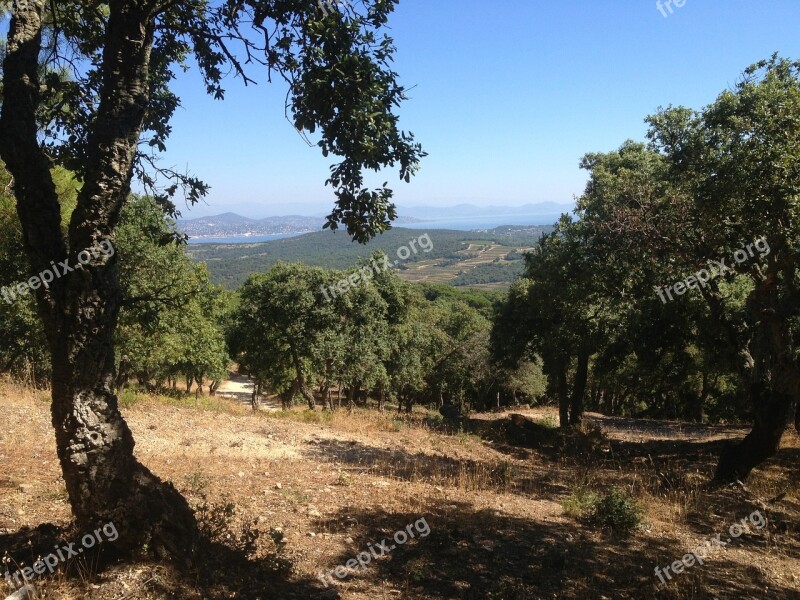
(230, 264)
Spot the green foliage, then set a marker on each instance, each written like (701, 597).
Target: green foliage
(615, 510)
(171, 321)
(708, 184)
(492, 273)
(547, 421)
(342, 90)
(24, 352)
(382, 338)
(282, 324)
(580, 503)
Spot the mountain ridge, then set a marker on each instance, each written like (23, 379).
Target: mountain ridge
(235, 225)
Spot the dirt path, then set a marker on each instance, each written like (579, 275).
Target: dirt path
(240, 387)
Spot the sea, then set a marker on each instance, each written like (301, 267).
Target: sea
(456, 223)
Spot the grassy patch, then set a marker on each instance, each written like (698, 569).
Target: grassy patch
(305, 416)
(131, 398)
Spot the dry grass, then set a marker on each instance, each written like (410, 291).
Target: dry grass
(495, 508)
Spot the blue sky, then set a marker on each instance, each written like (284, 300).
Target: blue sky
(506, 99)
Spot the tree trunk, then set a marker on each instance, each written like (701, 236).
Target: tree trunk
(775, 387)
(563, 397)
(579, 388)
(287, 398)
(797, 417)
(79, 310)
(301, 382)
(773, 415)
(698, 412)
(122, 374)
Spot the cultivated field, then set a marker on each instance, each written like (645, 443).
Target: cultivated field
(445, 271)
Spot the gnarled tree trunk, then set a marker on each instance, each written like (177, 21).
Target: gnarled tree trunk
(774, 389)
(79, 309)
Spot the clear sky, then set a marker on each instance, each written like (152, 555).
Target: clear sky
(507, 97)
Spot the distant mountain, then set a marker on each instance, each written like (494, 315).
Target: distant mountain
(471, 210)
(233, 225)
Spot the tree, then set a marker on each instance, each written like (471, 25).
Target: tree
(716, 195)
(105, 122)
(283, 320)
(555, 313)
(736, 161)
(24, 353)
(170, 320)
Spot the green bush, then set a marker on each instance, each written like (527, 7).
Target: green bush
(616, 510)
(580, 504)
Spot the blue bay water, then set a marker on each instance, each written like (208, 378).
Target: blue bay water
(456, 223)
(244, 239)
(484, 222)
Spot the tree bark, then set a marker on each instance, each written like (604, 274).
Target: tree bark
(104, 481)
(563, 397)
(774, 388)
(797, 417)
(698, 406)
(773, 415)
(301, 383)
(579, 388)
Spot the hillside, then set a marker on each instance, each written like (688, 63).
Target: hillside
(493, 256)
(498, 519)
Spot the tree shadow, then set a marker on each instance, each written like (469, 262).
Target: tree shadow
(526, 480)
(216, 571)
(475, 554)
(468, 553)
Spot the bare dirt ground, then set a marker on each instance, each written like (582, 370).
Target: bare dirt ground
(240, 388)
(325, 489)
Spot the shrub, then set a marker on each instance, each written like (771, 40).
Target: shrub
(616, 510)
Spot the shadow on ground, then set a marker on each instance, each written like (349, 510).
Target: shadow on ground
(216, 572)
(483, 554)
(532, 480)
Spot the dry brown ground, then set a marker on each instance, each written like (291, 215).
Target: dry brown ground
(334, 485)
